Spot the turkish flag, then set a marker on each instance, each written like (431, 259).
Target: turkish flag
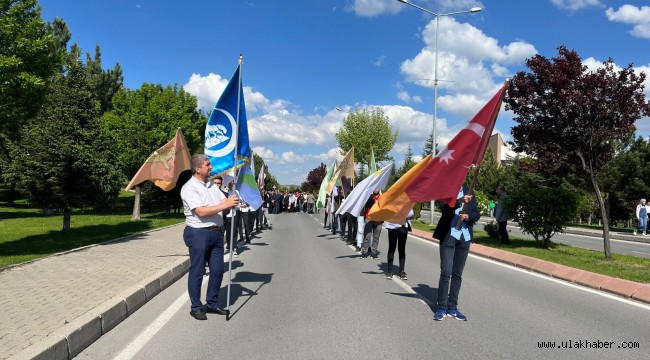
(444, 175)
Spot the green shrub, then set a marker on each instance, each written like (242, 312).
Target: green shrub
(492, 229)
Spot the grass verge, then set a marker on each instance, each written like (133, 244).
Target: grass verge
(621, 266)
(29, 234)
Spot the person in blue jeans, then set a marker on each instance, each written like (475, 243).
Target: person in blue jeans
(454, 249)
(642, 216)
(203, 204)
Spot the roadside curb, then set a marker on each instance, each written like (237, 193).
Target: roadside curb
(624, 288)
(70, 340)
(615, 236)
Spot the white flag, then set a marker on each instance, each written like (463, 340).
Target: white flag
(354, 203)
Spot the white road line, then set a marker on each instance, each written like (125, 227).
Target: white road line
(566, 283)
(141, 340)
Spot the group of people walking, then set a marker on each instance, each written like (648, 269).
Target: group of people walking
(454, 232)
(208, 208)
(364, 233)
(290, 201)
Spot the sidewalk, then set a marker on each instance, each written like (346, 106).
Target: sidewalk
(55, 307)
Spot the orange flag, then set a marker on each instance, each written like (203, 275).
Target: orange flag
(394, 205)
(445, 174)
(165, 164)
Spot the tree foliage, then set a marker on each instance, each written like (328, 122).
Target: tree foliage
(490, 175)
(104, 83)
(64, 159)
(314, 178)
(567, 114)
(30, 54)
(542, 211)
(365, 129)
(270, 181)
(627, 178)
(145, 119)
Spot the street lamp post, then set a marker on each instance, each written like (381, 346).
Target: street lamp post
(435, 76)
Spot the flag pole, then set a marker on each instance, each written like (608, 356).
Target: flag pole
(482, 152)
(236, 171)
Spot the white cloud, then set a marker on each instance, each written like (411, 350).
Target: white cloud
(208, 89)
(574, 5)
(403, 95)
(289, 157)
(379, 61)
(372, 8)
(463, 54)
(469, 64)
(630, 14)
(266, 154)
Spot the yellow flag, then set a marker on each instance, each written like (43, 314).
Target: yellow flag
(345, 168)
(165, 164)
(394, 205)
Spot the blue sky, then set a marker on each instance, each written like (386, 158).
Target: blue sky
(303, 59)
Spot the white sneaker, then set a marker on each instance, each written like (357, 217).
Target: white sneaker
(634, 232)
(643, 234)
(235, 254)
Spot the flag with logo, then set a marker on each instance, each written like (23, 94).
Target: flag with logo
(356, 200)
(247, 187)
(165, 164)
(444, 175)
(227, 129)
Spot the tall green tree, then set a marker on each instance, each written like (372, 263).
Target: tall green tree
(269, 181)
(366, 128)
(27, 62)
(627, 178)
(105, 83)
(567, 114)
(428, 145)
(65, 159)
(490, 175)
(145, 119)
(31, 52)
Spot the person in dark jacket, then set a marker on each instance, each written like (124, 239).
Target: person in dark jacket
(454, 249)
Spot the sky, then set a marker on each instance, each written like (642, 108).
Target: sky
(305, 63)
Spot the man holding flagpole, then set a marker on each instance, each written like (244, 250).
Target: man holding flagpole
(203, 235)
(454, 249)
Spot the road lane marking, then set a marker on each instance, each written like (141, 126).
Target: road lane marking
(141, 340)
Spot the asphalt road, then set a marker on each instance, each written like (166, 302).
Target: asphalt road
(300, 293)
(622, 247)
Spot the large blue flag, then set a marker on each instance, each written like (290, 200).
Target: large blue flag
(222, 134)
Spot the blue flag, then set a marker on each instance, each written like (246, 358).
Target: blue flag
(247, 187)
(222, 134)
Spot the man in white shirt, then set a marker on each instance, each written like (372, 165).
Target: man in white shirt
(203, 235)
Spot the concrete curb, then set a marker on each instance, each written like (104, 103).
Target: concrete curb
(74, 337)
(624, 288)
